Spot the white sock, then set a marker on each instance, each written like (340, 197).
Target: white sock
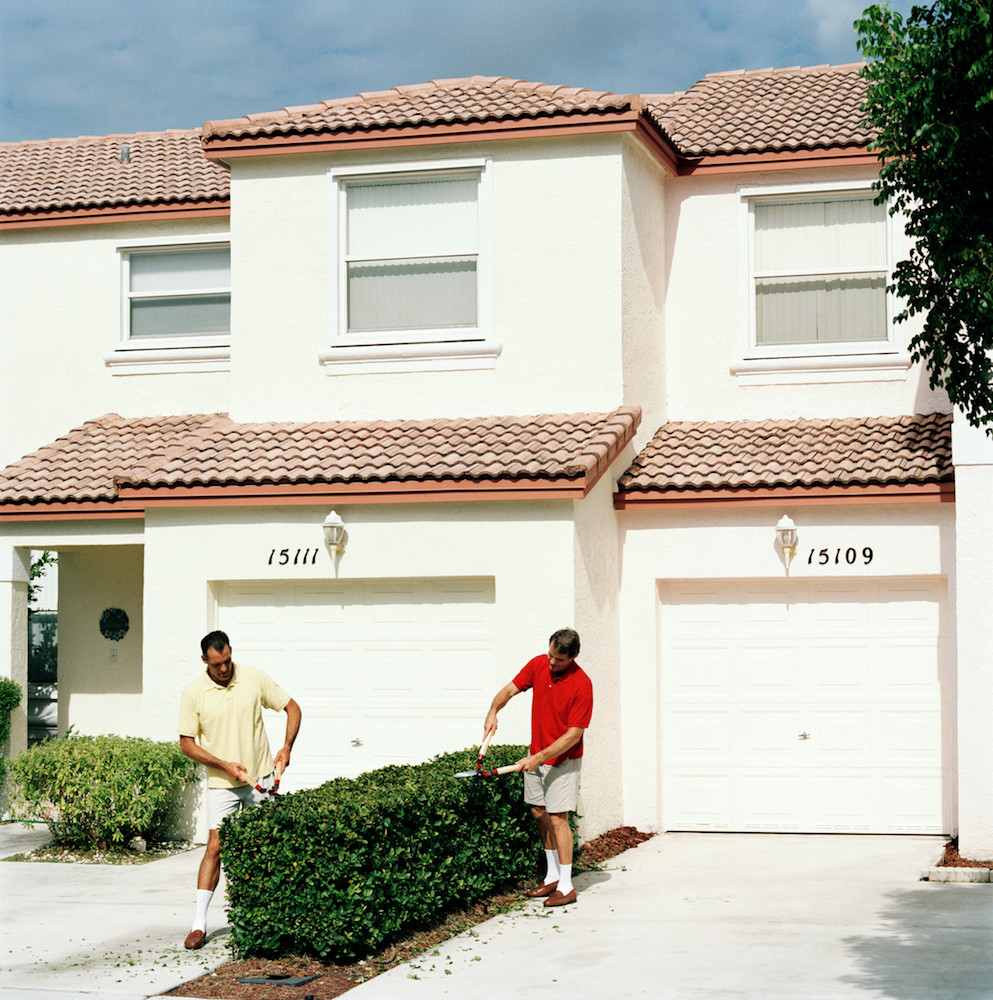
(565, 879)
(204, 896)
(551, 866)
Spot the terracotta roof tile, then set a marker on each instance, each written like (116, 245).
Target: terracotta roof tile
(815, 107)
(471, 99)
(467, 100)
(92, 461)
(866, 451)
(90, 172)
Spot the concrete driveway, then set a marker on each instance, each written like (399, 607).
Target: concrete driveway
(681, 917)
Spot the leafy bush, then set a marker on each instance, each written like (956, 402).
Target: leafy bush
(10, 698)
(100, 791)
(345, 869)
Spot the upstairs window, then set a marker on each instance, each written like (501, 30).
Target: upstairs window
(177, 295)
(412, 281)
(820, 272)
(412, 254)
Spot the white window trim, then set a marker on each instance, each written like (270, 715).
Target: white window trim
(851, 361)
(417, 350)
(162, 354)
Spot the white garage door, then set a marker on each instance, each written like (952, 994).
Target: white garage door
(386, 672)
(805, 706)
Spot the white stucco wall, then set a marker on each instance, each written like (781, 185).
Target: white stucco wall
(61, 293)
(643, 252)
(557, 288)
(721, 544)
(972, 453)
(705, 318)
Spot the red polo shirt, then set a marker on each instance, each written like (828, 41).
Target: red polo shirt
(560, 701)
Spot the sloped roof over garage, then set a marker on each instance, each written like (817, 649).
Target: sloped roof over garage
(117, 466)
(886, 458)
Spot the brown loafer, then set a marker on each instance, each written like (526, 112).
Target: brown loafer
(543, 890)
(559, 899)
(194, 940)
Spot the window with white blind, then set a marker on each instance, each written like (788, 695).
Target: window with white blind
(820, 271)
(413, 266)
(816, 262)
(177, 294)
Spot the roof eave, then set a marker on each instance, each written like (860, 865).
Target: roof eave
(780, 159)
(88, 215)
(793, 495)
(226, 148)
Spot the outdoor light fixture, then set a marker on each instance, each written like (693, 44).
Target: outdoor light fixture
(786, 538)
(334, 532)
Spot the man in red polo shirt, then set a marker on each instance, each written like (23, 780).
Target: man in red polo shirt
(561, 707)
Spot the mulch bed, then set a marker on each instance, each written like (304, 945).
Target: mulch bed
(333, 980)
(952, 859)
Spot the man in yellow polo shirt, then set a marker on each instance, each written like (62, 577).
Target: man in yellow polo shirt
(222, 709)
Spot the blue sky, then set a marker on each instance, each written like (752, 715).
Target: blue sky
(97, 67)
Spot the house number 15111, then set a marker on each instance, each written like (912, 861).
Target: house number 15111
(839, 556)
(298, 557)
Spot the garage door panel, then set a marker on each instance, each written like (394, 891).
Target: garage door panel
(825, 699)
(911, 737)
(767, 800)
(706, 667)
(838, 668)
(843, 802)
(768, 672)
(700, 801)
(699, 735)
(766, 735)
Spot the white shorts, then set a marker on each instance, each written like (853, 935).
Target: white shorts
(554, 787)
(223, 802)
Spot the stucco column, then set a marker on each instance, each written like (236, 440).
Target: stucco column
(14, 575)
(972, 455)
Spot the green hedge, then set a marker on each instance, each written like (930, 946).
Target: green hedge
(343, 870)
(10, 698)
(100, 791)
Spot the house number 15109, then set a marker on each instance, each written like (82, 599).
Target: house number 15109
(298, 557)
(839, 556)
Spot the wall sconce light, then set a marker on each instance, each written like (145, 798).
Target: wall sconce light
(786, 538)
(334, 532)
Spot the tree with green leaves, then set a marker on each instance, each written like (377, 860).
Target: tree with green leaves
(930, 98)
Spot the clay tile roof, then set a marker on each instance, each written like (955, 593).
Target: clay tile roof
(90, 172)
(815, 107)
(866, 451)
(82, 465)
(467, 100)
(101, 456)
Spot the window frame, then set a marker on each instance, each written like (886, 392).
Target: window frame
(184, 352)
(863, 359)
(432, 349)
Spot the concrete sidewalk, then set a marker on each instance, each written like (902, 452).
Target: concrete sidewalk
(716, 917)
(116, 931)
(681, 917)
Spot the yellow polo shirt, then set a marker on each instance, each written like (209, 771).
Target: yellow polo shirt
(227, 721)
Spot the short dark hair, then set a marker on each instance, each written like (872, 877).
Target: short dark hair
(214, 640)
(565, 640)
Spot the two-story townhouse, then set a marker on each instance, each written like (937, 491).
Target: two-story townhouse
(554, 357)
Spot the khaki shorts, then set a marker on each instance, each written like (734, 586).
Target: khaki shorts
(223, 802)
(554, 787)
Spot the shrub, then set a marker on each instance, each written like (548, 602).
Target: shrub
(342, 870)
(10, 698)
(100, 791)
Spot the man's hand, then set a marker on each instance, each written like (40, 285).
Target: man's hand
(236, 770)
(282, 761)
(530, 763)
